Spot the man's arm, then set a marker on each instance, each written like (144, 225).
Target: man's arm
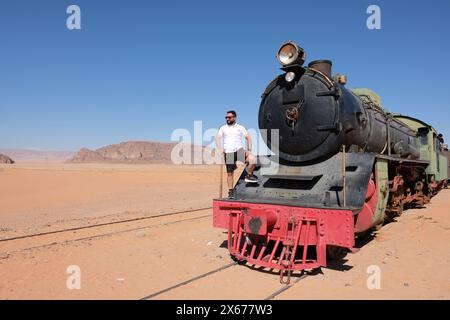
(248, 138)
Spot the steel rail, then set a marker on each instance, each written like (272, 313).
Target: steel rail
(105, 234)
(101, 224)
(286, 287)
(183, 283)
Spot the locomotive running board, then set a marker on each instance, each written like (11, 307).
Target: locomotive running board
(296, 177)
(398, 159)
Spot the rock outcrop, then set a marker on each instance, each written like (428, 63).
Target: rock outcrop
(6, 159)
(131, 152)
(28, 155)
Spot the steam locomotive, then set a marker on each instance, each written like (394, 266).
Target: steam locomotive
(340, 166)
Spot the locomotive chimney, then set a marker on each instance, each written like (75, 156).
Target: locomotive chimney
(323, 66)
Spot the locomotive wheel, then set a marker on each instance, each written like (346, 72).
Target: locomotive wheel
(365, 234)
(400, 210)
(379, 225)
(336, 253)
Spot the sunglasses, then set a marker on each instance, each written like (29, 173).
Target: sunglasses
(229, 117)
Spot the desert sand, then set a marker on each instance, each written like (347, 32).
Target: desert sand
(134, 259)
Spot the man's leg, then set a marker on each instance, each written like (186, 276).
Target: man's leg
(251, 160)
(251, 164)
(230, 163)
(230, 180)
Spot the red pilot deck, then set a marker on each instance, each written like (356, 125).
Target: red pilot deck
(283, 237)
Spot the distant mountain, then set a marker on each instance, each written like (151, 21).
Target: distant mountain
(6, 159)
(25, 155)
(133, 152)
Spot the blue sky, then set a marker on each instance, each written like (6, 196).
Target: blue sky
(137, 70)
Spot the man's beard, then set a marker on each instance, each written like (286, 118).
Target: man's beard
(230, 121)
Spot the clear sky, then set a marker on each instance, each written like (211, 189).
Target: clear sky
(137, 70)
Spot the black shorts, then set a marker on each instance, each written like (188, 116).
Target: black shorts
(232, 158)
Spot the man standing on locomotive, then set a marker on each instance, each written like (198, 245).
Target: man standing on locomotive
(233, 150)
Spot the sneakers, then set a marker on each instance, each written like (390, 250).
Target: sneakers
(251, 179)
(231, 194)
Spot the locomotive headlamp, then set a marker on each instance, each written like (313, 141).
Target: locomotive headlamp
(291, 54)
(289, 76)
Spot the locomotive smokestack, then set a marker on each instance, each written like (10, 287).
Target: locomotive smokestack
(323, 66)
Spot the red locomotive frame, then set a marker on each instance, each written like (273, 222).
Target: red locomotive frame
(283, 237)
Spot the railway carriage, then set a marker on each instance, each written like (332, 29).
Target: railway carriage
(340, 165)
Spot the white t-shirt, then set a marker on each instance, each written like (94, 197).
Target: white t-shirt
(232, 137)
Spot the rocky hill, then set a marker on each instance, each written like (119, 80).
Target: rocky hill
(27, 155)
(130, 152)
(6, 159)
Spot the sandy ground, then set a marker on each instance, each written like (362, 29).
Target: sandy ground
(132, 260)
(36, 196)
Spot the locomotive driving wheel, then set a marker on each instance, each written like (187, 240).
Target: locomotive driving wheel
(336, 253)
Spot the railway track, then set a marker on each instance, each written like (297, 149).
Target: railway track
(102, 224)
(21, 243)
(286, 286)
(214, 271)
(185, 282)
(70, 235)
